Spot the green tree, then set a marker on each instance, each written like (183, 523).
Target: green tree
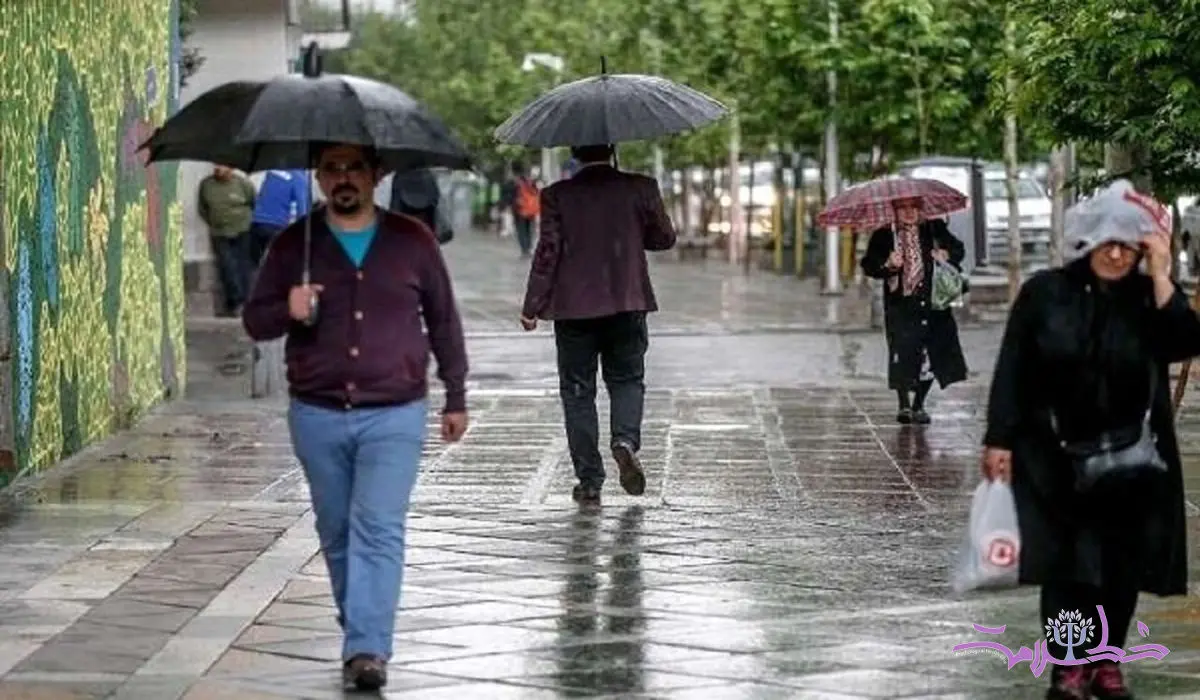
(190, 59)
(1117, 72)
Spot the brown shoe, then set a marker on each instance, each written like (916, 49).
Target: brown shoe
(632, 478)
(364, 672)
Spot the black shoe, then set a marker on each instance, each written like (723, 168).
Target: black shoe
(633, 479)
(586, 495)
(920, 417)
(364, 672)
(905, 416)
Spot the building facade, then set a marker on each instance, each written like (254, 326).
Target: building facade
(239, 40)
(91, 240)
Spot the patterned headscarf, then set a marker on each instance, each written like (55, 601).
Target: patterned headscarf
(912, 271)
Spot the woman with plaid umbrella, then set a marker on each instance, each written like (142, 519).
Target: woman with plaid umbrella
(922, 341)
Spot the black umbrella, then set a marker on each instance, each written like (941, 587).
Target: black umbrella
(609, 109)
(271, 125)
(274, 124)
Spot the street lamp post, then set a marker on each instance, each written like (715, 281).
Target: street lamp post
(555, 64)
(833, 278)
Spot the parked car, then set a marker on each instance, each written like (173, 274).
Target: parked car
(1033, 204)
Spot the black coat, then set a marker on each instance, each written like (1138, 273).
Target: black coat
(1087, 351)
(909, 322)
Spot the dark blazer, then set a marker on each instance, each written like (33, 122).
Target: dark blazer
(590, 259)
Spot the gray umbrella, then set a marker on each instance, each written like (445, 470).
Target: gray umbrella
(270, 125)
(607, 109)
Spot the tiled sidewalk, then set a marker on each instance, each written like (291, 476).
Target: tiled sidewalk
(792, 543)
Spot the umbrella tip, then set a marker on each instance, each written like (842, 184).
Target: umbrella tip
(312, 60)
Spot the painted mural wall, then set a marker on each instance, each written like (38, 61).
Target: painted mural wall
(90, 238)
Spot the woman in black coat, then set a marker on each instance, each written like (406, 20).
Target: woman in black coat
(1085, 355)
(922, 342)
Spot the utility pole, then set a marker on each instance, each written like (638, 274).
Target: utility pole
(555, 65)
(656, 63)
(833, 275)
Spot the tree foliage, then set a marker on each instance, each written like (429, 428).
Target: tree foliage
(914, 76)
(1117, 72)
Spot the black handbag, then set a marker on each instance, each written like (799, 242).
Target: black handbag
(1126, 452)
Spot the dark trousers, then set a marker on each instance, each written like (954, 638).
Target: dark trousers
(233, 266)
(1119, 603)
(524, 233)
(616, 345)
(261, 236)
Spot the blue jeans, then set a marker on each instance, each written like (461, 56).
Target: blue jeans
(361, 467)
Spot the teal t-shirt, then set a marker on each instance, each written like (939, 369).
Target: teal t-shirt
(356, 243)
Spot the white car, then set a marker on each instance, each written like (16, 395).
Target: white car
(1033, 204)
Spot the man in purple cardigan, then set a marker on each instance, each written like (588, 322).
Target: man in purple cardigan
(590, 276)
(357, 377)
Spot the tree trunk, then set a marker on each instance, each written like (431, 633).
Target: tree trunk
(1010, 174)
(922, 117)
(685, 211)
(1058, 194)
(737, 232)
(1125, 161)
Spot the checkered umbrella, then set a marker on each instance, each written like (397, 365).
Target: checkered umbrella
(870, 205)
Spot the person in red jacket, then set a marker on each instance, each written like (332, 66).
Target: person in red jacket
(357, 378)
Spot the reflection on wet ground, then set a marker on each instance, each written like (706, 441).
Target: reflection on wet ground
(793, 543)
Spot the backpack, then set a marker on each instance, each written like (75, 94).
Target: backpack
(529, 203)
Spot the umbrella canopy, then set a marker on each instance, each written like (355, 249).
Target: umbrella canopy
(871, 204)
(609, 109)
(271, 125)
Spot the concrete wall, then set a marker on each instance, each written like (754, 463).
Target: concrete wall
(90, 239)
(239, 40)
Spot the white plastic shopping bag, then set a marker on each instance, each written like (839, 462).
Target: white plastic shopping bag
(992, 548)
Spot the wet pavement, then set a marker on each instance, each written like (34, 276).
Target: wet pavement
(793, 542)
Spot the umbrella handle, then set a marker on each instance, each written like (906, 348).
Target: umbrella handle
(306, 273)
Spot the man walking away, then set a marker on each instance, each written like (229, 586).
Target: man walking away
(520, 194)
(357, 376)
(283, 197)
(226, 203)
(590, 276)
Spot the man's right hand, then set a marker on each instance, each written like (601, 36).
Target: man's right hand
(997, 464)
(894, 261)
(300, 300)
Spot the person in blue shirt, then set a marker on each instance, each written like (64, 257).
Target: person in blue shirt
(283, 197)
